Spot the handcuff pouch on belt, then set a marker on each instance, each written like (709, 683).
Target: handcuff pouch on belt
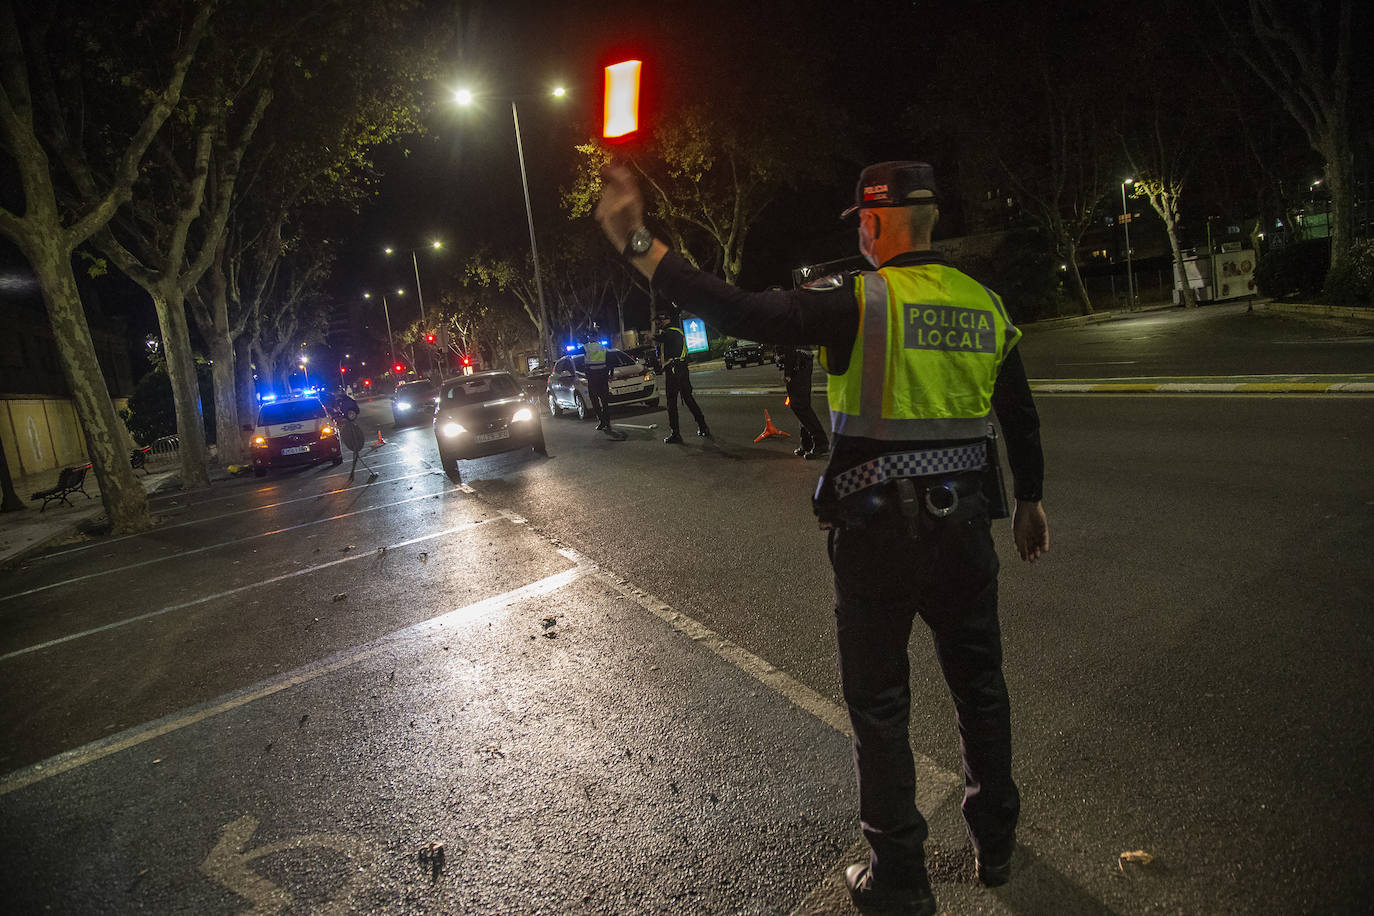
(908, 484)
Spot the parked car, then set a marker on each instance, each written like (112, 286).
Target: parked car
(744, 352)
(482, 414)
(291, 433)
(414, 402)
(631, 383)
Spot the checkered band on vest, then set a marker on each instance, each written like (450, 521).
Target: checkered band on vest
(927, 463)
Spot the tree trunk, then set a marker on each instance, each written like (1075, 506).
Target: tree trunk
(1080, 289)
(1340, 184)
(244, 389)
(181, 369)
(1068, 250)
(9, 499)
(228, 436)
(1187, 294)
(125, 500)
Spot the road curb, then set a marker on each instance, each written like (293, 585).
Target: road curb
(1306, 310)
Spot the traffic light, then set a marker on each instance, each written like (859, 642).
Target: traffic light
(622, 100)
(343, 369)
(467, 360)
(429, 338)
(367, 383)
(399, 368)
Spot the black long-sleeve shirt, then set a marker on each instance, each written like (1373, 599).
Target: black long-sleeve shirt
(830, 317)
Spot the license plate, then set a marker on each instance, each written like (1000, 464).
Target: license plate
(492, 437)
(298, 450)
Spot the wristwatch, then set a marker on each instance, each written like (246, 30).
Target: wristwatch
(641, 240)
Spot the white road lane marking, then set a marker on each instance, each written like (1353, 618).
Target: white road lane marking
(98, 750)
(187, 553)
(362, 554)
(362, 488)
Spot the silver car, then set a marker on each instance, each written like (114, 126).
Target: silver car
(631, 383)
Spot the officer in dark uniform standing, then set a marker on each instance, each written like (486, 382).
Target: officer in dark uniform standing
(795, 363)
(677, 378)
(903, 497)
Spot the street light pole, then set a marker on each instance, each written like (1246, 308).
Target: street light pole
(1126, 223)
(534, 247)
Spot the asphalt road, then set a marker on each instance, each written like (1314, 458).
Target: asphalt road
(605, 680)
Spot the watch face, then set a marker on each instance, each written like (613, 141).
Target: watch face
(641, 241)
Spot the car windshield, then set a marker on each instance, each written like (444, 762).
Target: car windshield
(615, 359)
(481, 388)
(415, 391)
(290, 412)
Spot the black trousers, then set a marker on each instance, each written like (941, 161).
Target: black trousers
(677, 382)
(886, 573)
(599, 388)
(812, 431)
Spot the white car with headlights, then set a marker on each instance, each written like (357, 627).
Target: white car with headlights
(630, 383)
(484, 414)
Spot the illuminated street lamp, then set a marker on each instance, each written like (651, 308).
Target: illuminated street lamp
(305, 372)
(390, 342)
(465, 97)
(1126, 224)
(419, 293)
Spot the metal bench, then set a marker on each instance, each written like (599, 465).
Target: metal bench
(70, 480)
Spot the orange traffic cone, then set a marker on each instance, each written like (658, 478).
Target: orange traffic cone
(770, 430)
(380, 441)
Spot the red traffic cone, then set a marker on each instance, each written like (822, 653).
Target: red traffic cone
(380, 441)
(770, 430)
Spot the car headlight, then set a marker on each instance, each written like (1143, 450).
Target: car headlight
(648, 376)
(326, 431)
(402, 405)
(452, 429)
(522, 415)
(259, 442)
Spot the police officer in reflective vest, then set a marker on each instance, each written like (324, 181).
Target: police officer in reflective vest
(598, 380)
(917, 355)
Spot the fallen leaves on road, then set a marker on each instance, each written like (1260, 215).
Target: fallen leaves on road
(1138, 857)
(341, 596)
(346, 548)
(424, 556)
(548, 622)
(432, 855)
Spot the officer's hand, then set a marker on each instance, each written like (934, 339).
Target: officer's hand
(621, 208)
(1031, 530)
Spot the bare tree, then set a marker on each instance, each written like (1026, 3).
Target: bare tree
(1305, 60)
(48, 232)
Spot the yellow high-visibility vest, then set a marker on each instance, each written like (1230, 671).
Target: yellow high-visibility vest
(930, 343)
(596, 354)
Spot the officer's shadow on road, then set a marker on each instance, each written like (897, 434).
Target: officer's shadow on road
(1036, 886)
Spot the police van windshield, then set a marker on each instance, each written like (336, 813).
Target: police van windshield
(290, 412)
(477, 389)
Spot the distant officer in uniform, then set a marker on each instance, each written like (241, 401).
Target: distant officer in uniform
(677, 379)
(911, 387)
(795, 363)
(598, 380)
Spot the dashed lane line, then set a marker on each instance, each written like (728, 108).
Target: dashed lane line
(213, 518)
(205, 599)
(934, 781)
(191, 503)
(98, 750)
(196, 550)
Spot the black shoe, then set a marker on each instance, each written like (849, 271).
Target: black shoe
(800, 451)
(915, 900)
(994, 871)
(817, 453)
(704, 431)
(674, 439)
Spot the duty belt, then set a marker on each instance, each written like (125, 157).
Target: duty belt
(926, 463)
